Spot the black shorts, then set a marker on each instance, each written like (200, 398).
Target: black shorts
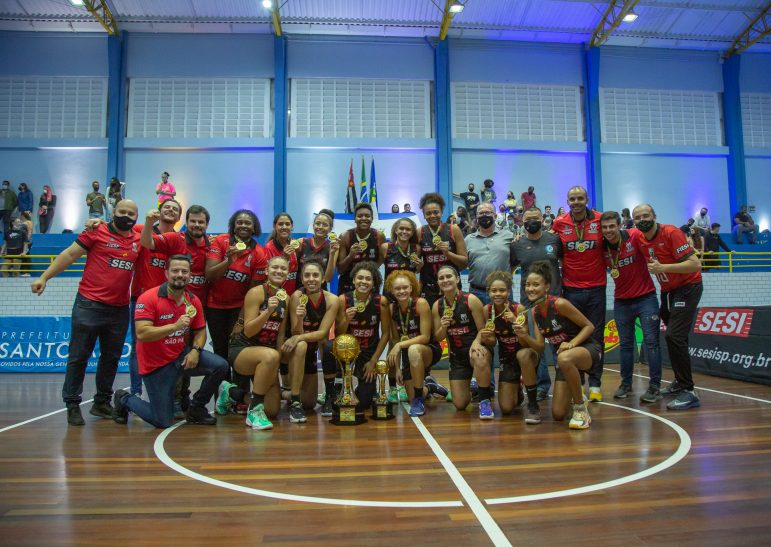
(361, 360)
(460, 367)
(311, 366)
(593, 350)
(235, 349)
(510, 370)
(436, 355)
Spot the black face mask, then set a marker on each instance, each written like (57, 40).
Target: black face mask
(123, 223)
(533, 226)
(645, 225)
(485, 221)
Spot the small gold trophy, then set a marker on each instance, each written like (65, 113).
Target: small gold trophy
(346, 348)
(381, 408)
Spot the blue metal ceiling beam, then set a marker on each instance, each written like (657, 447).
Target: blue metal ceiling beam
(734, 134)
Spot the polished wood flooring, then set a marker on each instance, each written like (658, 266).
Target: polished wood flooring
(104, 484)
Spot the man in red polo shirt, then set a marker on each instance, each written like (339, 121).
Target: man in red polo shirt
(674, 263)
(171, 333)
(635, 298)
(101, 306)
(583, 271)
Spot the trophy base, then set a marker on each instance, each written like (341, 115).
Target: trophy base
(346, 415)
(382, 411)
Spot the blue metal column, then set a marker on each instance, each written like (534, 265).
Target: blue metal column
(280, 131)
(591, 71)
(732, 115)
(116, 107)
(443, 130)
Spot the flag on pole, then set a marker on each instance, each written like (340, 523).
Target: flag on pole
(363, 196)
(373, 186)
(350, 195)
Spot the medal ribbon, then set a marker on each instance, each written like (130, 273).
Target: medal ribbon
(406, 322)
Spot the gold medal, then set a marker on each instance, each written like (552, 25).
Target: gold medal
(361, 306)
(295, 244)
(281, 294)
(581, 247)
(448, 312)
(363, 245)
(191, 311)
(520, 320)
(404, 338)
(614, 273)
(303, 299)
(414, 257)
(436, 240)
(241, 246)
(332, 236)
(490, 324)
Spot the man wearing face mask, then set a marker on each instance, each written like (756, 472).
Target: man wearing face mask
(488, 251)
(95, 201)
(101, 306)
(702, 221)
(674, 263)
(537, 245)
(470, 200)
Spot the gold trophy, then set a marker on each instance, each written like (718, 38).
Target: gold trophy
(346, 348)
(381, 408)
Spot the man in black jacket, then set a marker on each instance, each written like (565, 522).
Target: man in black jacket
(712, 244)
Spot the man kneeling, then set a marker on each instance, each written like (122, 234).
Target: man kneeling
(171, 333)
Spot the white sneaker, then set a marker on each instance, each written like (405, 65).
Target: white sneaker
(581, 418)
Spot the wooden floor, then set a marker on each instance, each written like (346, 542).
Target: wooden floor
(104, 484)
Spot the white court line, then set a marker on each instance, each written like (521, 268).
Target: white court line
(680, 453)
(160, 452)
(703, 388)
(475, 504)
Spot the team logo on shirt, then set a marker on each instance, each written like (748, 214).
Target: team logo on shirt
(593, 228)
(134, 247)
(549, 249)
(628, 247)
(567, 231)
(463, 317)
(248, 262)
(127, 265)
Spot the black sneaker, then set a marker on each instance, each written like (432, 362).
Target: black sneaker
(622, 392)
(435, 388)
(673, 389)
(327, 410)
(119, 410)
(101, 409)
(198, 415)
(297, 414)
(74, 417)
(651, 396)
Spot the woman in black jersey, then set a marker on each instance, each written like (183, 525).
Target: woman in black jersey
(360, 244)
(257, 335)
(515, 360)
(440, 244)
(458, 316)
(323, 246)
(413, 352)
(568, 330)
(363, 313)
(311, 313)
(403, 251)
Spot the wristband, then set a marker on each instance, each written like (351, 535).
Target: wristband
(198, 348)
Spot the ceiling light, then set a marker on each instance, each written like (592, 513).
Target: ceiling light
(630, 17)
(78, 3)
(267, 4)
(457, 7)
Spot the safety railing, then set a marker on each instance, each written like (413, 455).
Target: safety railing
(736, 261)
(34, 264)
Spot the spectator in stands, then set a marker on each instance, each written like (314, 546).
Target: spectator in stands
(14, 243)
(407, 208)
(46, 209)
(743, 224)
(626, 219)
(501, 219)
(697, 241)
(686, 228)
(26, 199)
(510, 202)
(165, 189)
(8, 202)
(96, 202)
(560, 211)
(528, 198)
(547, 212)
(488, 194)
(26, 262)
(395, 208)
(115, 193)
(470, 199)
(712, 245)
(461, 216)
(702, 221)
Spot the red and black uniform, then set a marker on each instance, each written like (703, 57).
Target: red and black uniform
(365, 325)
(307, 251)
(412, 330)
(247, 268)
(156, 306)
(173, 243)
(508, 345)
(150, 270)
(680, 295)
(633, 279)
(557, 329)
(109, 264)
(396, 259)
(267, 336)
(314, 313)
(461, 333)
(274, 248)
(433, 259)
(344, 282)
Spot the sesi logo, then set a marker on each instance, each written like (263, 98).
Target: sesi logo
(724, 322)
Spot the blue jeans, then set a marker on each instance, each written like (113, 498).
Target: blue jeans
(161, 383)
(136, 379)
(646, 309)
(92, 321)
(591, 302)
